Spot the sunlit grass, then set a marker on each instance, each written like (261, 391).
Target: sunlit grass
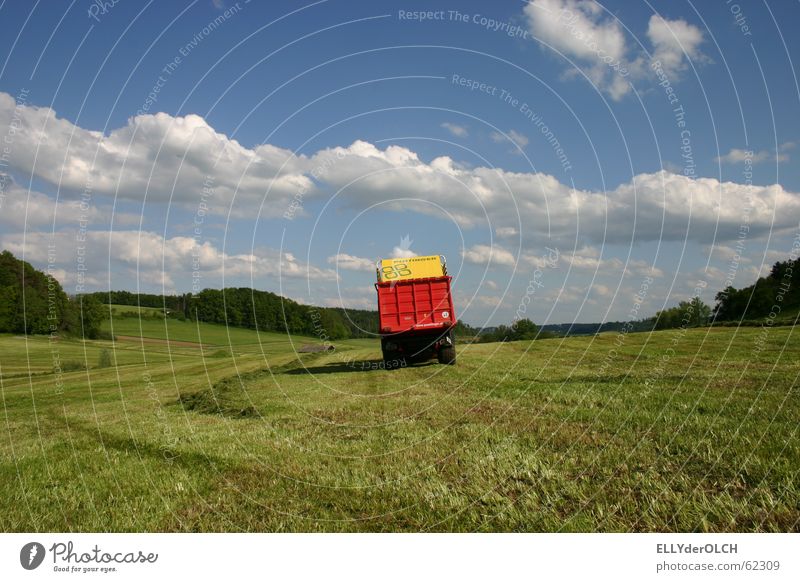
(543, 436)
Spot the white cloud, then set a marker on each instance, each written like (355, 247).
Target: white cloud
(455, 129)
(401, 253)
(150, 258)
(159, 156)
(601, 290)
(487, 300)
(22, 209)
(576, 27)
(737, 156)
(493, 255)
(403, 250)
(740, 156)
(583, 31)
(506, 231)
(513, 136)
(640, 268)
(589, 260)
(722, 252)
(572, 294)
(674, 41)
(748, 252)
(352, 263)
(549, 210)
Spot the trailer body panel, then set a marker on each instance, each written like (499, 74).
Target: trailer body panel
(415, 304)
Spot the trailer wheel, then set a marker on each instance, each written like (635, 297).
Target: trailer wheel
(447, 355)
(391, 360)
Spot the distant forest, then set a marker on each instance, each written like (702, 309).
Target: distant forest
(246, 307)
(32, 302)
(263, 310)
(776, 296)
(562, 329)
(253, 309)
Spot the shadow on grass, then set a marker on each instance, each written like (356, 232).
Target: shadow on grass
(144, 449)
(357, 366)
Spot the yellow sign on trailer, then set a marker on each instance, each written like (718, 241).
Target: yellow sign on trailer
(411, 268)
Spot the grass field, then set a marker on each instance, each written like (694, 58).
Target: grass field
(227, 430)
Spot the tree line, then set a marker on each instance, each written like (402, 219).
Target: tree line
(253, 309)
(776, 296)
(520, 330)
(33, 302)
(262, 310)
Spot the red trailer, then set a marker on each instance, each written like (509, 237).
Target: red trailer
(416, 314)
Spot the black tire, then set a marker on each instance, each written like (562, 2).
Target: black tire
(447, 355)
(390, 360)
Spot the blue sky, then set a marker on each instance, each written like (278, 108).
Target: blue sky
(561, 154)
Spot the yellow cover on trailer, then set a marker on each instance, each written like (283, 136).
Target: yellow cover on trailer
(411, 268)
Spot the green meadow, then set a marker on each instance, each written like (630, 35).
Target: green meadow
(183, 426)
